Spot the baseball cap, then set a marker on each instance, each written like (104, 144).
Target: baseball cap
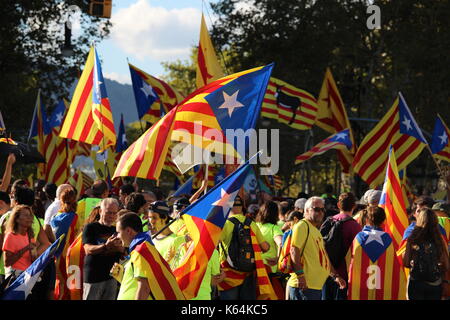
(442, 206)
(160, 207)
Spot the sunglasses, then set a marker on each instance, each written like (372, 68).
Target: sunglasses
(317, 209)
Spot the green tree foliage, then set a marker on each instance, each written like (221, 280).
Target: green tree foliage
(181, 74)
(31, 39)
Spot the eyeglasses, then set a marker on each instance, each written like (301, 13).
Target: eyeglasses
(317, 209)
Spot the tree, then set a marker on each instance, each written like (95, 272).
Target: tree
(31, 57)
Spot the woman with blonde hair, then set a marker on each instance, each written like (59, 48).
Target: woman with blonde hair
(427, 256)
(19, 245)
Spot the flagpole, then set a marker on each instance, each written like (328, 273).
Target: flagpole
(436, 163)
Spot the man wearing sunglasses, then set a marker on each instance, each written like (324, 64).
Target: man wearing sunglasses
(311, 264)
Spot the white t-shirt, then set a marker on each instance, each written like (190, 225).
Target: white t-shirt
(51, 211)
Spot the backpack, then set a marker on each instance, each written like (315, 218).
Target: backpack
(241, 256)
(284, 261)
(333, 238)
(425, 263)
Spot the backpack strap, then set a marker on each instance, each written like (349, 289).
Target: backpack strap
(234, 220)
(306, 240)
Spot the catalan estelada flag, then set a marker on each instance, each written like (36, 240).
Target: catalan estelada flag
(289, 105)
(440, 144)
(154, 97)
(208, 67)
(146, 156)
(340, 140)
(68, 224)
(89, 118)
(375, 273)
(332, 117)
(147, 262)
(204, 118)
(204, 221)
(397, 128)
(393, 203)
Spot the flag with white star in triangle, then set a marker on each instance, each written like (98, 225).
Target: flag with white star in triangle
(23, 285)
(440, 142)
(204, 221)
(340, 141)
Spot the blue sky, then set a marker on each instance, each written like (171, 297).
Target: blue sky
(149, 32)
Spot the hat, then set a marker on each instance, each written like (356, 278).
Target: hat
(300, 203)
(374, 197)
(180, 203)
(238, 202)
(160, 207)
(442, 206)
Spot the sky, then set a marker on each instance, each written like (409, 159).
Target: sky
(149, 32)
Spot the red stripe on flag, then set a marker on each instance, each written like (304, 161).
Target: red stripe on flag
(81, 102)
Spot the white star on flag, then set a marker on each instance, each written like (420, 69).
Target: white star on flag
(443, 138)
(59, 117)
(148, 90)
(28, 283)
(374, 235)
(124, 138)
(407, 123)
(230, 102)
(340, 136)
(226, 201)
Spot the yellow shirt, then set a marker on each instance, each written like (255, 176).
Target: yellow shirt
(316, 265)
(227, 233)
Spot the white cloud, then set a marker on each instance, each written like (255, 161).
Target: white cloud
(144, 31)
(121, 78)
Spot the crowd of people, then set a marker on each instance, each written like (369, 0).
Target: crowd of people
(314, 248)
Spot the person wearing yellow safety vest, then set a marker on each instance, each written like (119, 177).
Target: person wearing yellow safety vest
(97, 192)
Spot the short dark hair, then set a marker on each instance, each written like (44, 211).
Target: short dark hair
(4, 196)
(131, 220)
(347, 201)
(98, 188)
(424, 201)
(127, 189)
(376, 215)
(17, 184)
(24, 196)
(50, 190)
(135, 201)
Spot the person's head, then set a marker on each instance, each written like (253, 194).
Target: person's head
(17, 184)
(374, 216)
(108, 211)
(5, 202)
(314, 210)
(38, 208)
(23, 195)
(122, 212)
(180, 204)
(127, 227)
(422, 202)
(61, 188)
(373, 198)
(329, 189)
(50, 191)
(21, 219)
(158, 215)
(299, 204)
(285, 207)
(94, 216)
(149, 196)
(136, 203)
(346, 202)
(294, 217)
(238, 205)
(124, 191)
(252, 210)
(442, 209)
(68, 200)
(268, 213)
(427, 229)
(100, 189)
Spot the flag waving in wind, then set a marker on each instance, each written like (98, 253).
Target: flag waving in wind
(440, 142)
(232, 102)
(22, 286)
(340, 140)
(397, 128)
(89, 118)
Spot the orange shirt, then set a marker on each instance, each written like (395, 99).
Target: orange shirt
(13, 243)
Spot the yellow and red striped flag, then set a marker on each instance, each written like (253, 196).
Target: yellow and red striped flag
(208, 67)
(89, 118)
(397, 128)
(154, 97)
(393, 203)
(145, 158)
(80, 181)
(74, 268)
(332, 117)
(289, 105)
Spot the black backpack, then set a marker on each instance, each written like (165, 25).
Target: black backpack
(425, 263)
(241, 256)
(333, 238)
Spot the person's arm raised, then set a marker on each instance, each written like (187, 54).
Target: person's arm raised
(6, 180)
